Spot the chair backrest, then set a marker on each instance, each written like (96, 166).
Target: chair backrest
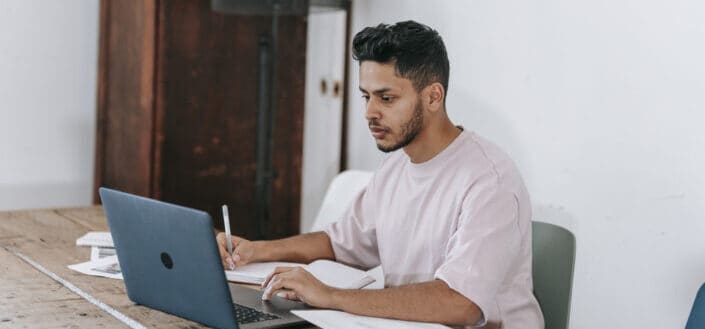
(696, 320)
(340, 194)
(553, 262)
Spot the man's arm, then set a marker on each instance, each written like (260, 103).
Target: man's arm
(430, 301)
(303, 248)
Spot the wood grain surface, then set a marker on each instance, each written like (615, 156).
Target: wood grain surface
(30, 299)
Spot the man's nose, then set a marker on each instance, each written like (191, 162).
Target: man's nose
(372, 112)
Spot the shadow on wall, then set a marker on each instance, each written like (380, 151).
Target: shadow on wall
(475, 115)
(556, 215)
(488, 122)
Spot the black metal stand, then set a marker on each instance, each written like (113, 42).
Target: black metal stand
(266, 115)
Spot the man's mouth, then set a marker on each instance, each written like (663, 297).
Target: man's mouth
(378, 132)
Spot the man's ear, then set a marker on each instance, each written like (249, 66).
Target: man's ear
(435, 94)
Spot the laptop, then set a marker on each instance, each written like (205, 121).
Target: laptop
(170, 262)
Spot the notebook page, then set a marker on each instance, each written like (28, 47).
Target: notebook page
(255, 273)
(339, 275)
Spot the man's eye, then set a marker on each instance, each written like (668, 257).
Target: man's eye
(366, 98)
(386, 99)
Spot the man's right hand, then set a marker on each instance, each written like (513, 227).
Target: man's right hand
(243, 251)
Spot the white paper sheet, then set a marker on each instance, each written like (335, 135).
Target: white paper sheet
(106, 267)
(328, 319)
(378, 275)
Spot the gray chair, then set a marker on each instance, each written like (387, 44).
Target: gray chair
(696, 320)
(553, 262)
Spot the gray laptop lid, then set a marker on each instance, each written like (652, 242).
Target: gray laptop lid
(162, 268)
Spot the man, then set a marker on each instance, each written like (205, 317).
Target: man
(448, 218)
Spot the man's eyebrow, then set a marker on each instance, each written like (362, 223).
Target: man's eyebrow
(378, 91)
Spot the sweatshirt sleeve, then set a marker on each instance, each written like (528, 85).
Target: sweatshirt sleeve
(354, 237)
(480, 252)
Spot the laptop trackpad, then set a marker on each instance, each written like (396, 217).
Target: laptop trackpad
(253, 298)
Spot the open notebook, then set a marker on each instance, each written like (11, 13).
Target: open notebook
(329, 272)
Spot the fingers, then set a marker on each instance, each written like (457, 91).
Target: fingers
(281, 278)
(279, 282)
(224, 256)
(237, 248)
(279, 269)
(230, 261)
(290, 295)
(242, 251)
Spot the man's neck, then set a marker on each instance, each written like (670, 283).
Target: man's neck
(431, 141)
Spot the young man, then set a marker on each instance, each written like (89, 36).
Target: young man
(448, 217)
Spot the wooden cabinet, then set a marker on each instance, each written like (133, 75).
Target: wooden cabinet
(177, 109)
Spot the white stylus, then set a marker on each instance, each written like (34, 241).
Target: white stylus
(226, 222)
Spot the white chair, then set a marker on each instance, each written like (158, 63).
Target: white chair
(340, 194)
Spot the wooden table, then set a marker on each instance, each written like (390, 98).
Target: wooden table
(31, 299)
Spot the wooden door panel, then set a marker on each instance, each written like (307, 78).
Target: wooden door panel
(207, 87)
(125, 96)
(178, 108)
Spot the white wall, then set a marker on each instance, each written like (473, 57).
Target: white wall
(48, 65)
(601, 104)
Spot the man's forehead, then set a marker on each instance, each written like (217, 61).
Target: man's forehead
(377, 77)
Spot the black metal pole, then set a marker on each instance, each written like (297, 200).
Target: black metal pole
(262, 173)
(266, 119)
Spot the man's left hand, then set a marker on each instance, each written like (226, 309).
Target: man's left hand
(295, 283)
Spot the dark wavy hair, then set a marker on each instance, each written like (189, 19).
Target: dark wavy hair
(417, 51)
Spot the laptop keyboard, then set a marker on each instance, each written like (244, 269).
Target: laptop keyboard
(245, 314)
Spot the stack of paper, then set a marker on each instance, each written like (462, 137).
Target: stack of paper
(96, 239)
(103, 260)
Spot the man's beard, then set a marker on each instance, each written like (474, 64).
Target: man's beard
(409, 130)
